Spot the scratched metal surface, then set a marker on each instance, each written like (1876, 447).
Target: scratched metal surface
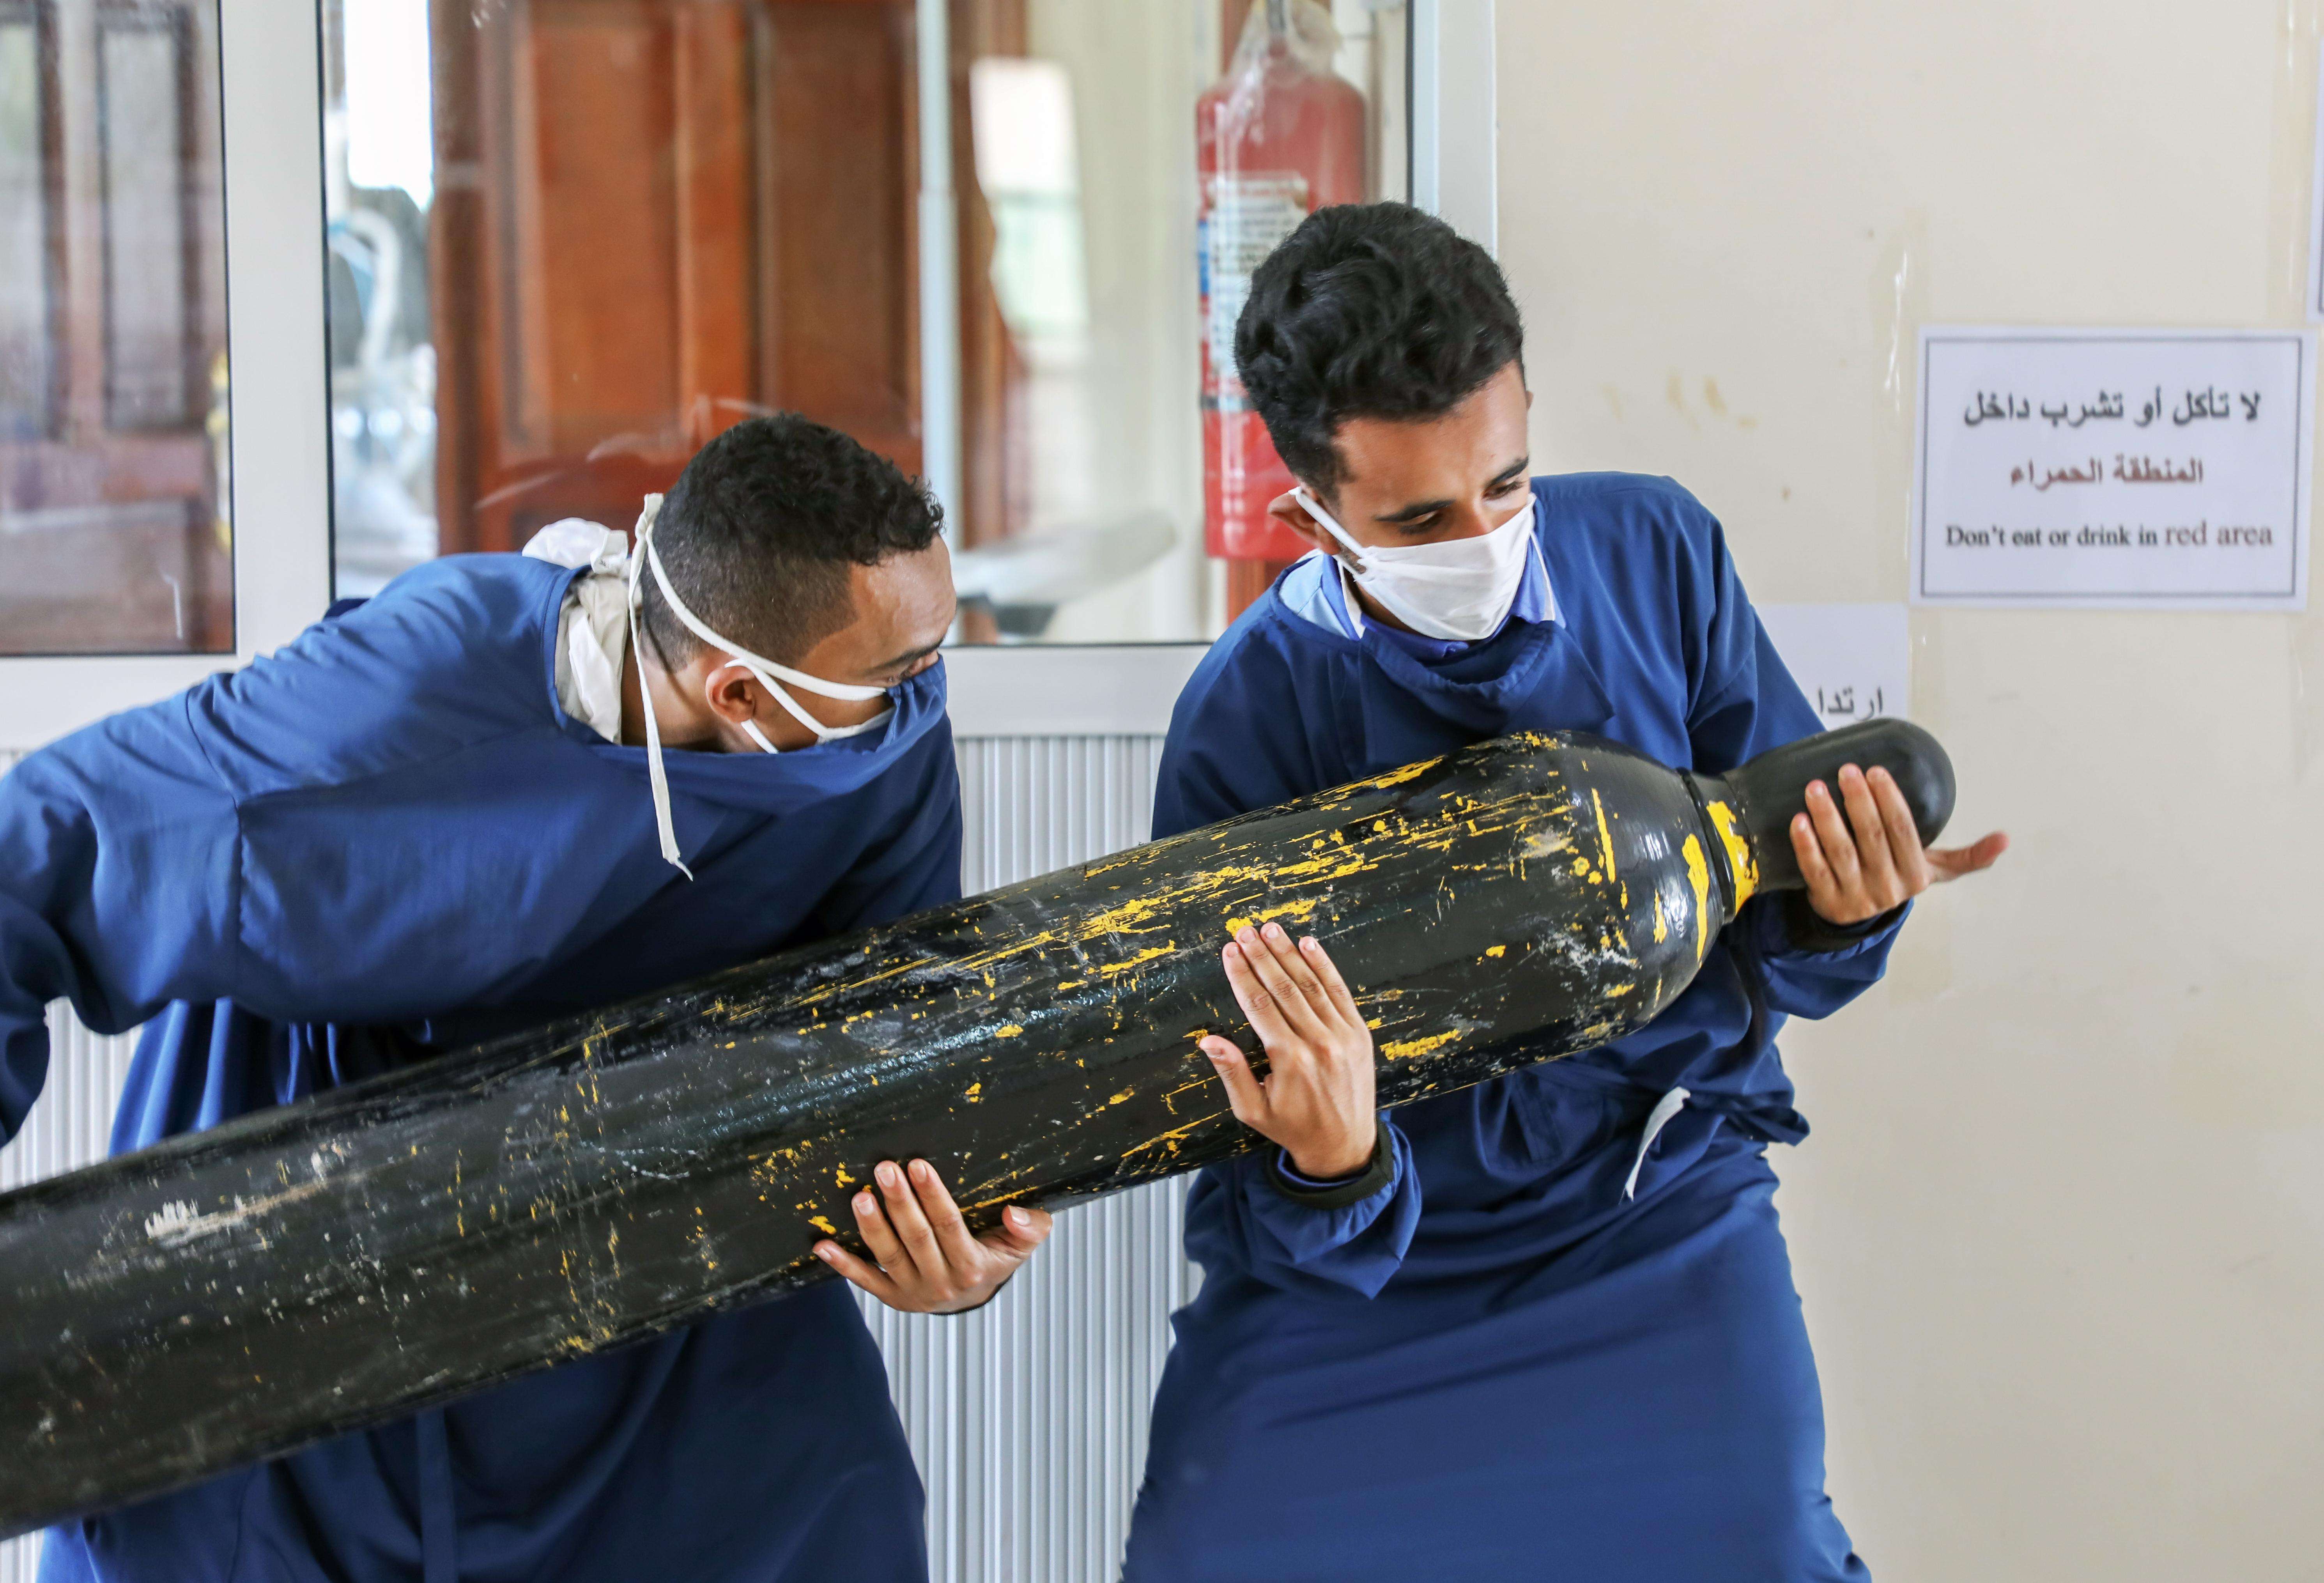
(609, 1176)
(1028, 1418)
(65, 1131)
(1553, 885)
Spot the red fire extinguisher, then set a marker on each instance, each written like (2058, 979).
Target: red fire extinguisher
(1277, 137)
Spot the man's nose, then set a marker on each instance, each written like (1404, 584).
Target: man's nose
(1472, 522)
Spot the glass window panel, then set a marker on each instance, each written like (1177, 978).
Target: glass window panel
(572, 239)
(115, 522)
(24, 233)
(380, 161)
(140, 115)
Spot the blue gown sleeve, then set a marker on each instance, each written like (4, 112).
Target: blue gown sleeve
(1743, 702)
(116, 877)
(1240, 738)
(1349, 1248)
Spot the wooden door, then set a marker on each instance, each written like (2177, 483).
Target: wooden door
(655, 217)
(114, 524)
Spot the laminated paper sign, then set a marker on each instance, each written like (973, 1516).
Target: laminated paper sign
(1853, 662)
(2126, 469)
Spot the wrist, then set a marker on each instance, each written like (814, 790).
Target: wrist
(1378, 1173)
(1350, 1155)
(1804, 928)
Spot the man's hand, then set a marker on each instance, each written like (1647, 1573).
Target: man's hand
(1317, 1099)
(929, 1264)
(1853, 876)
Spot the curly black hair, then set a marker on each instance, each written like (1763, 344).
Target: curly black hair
(759, 531)
(1370, 311)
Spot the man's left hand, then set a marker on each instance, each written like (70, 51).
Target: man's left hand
(1863, 865)
(927, 1263)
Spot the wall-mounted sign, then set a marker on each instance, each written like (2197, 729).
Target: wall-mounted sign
(2127, 468)
(2316, 206)
(1854, 662)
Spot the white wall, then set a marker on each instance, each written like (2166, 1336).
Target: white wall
(2060, 1228)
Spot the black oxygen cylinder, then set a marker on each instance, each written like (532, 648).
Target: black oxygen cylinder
(237, 1293)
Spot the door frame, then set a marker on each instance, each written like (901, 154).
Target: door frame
(271, 93)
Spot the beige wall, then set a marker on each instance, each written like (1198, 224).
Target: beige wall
(2061, 1229)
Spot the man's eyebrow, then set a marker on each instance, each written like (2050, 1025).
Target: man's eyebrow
(908, 655)
(1404, 513)
(1420, 508)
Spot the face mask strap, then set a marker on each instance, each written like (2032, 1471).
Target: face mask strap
(660, 779)
(847, 691)
(644, 556)
(1330, 524)
(823, 733)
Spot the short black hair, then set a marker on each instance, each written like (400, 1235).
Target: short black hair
(759, 531)
(1370, 311)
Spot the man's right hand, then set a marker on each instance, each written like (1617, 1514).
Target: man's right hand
(1317, 1100)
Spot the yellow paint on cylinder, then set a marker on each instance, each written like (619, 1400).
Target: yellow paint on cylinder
(1739, 854)
(1605, 835)
(1148, 955)
(1395, 777)
(1299, 910)
(1406, 1049)
(1698, 875)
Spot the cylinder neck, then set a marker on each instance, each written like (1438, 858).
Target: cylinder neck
(1762, 797)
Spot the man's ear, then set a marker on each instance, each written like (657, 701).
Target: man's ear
(732, 693)
(1286, 509)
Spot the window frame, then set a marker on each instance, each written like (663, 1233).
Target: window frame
(271, 94)
(281, 485)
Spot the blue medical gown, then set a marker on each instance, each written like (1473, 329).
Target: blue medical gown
(381, 842)
(1498, 1366)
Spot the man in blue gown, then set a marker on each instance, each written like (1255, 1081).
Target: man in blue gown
(509, 788)
(1544, 1328)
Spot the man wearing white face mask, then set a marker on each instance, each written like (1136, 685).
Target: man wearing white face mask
(1542, 1328)
(507, 789)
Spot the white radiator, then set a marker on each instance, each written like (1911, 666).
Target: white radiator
(1028, 1419)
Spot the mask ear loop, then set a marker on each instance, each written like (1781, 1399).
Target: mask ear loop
(1331, 524)
(823, 733)
(663, 825)
(764, 670)
(853, 691)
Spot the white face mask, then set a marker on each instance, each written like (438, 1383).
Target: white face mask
(642, 556)
(1460, 590)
